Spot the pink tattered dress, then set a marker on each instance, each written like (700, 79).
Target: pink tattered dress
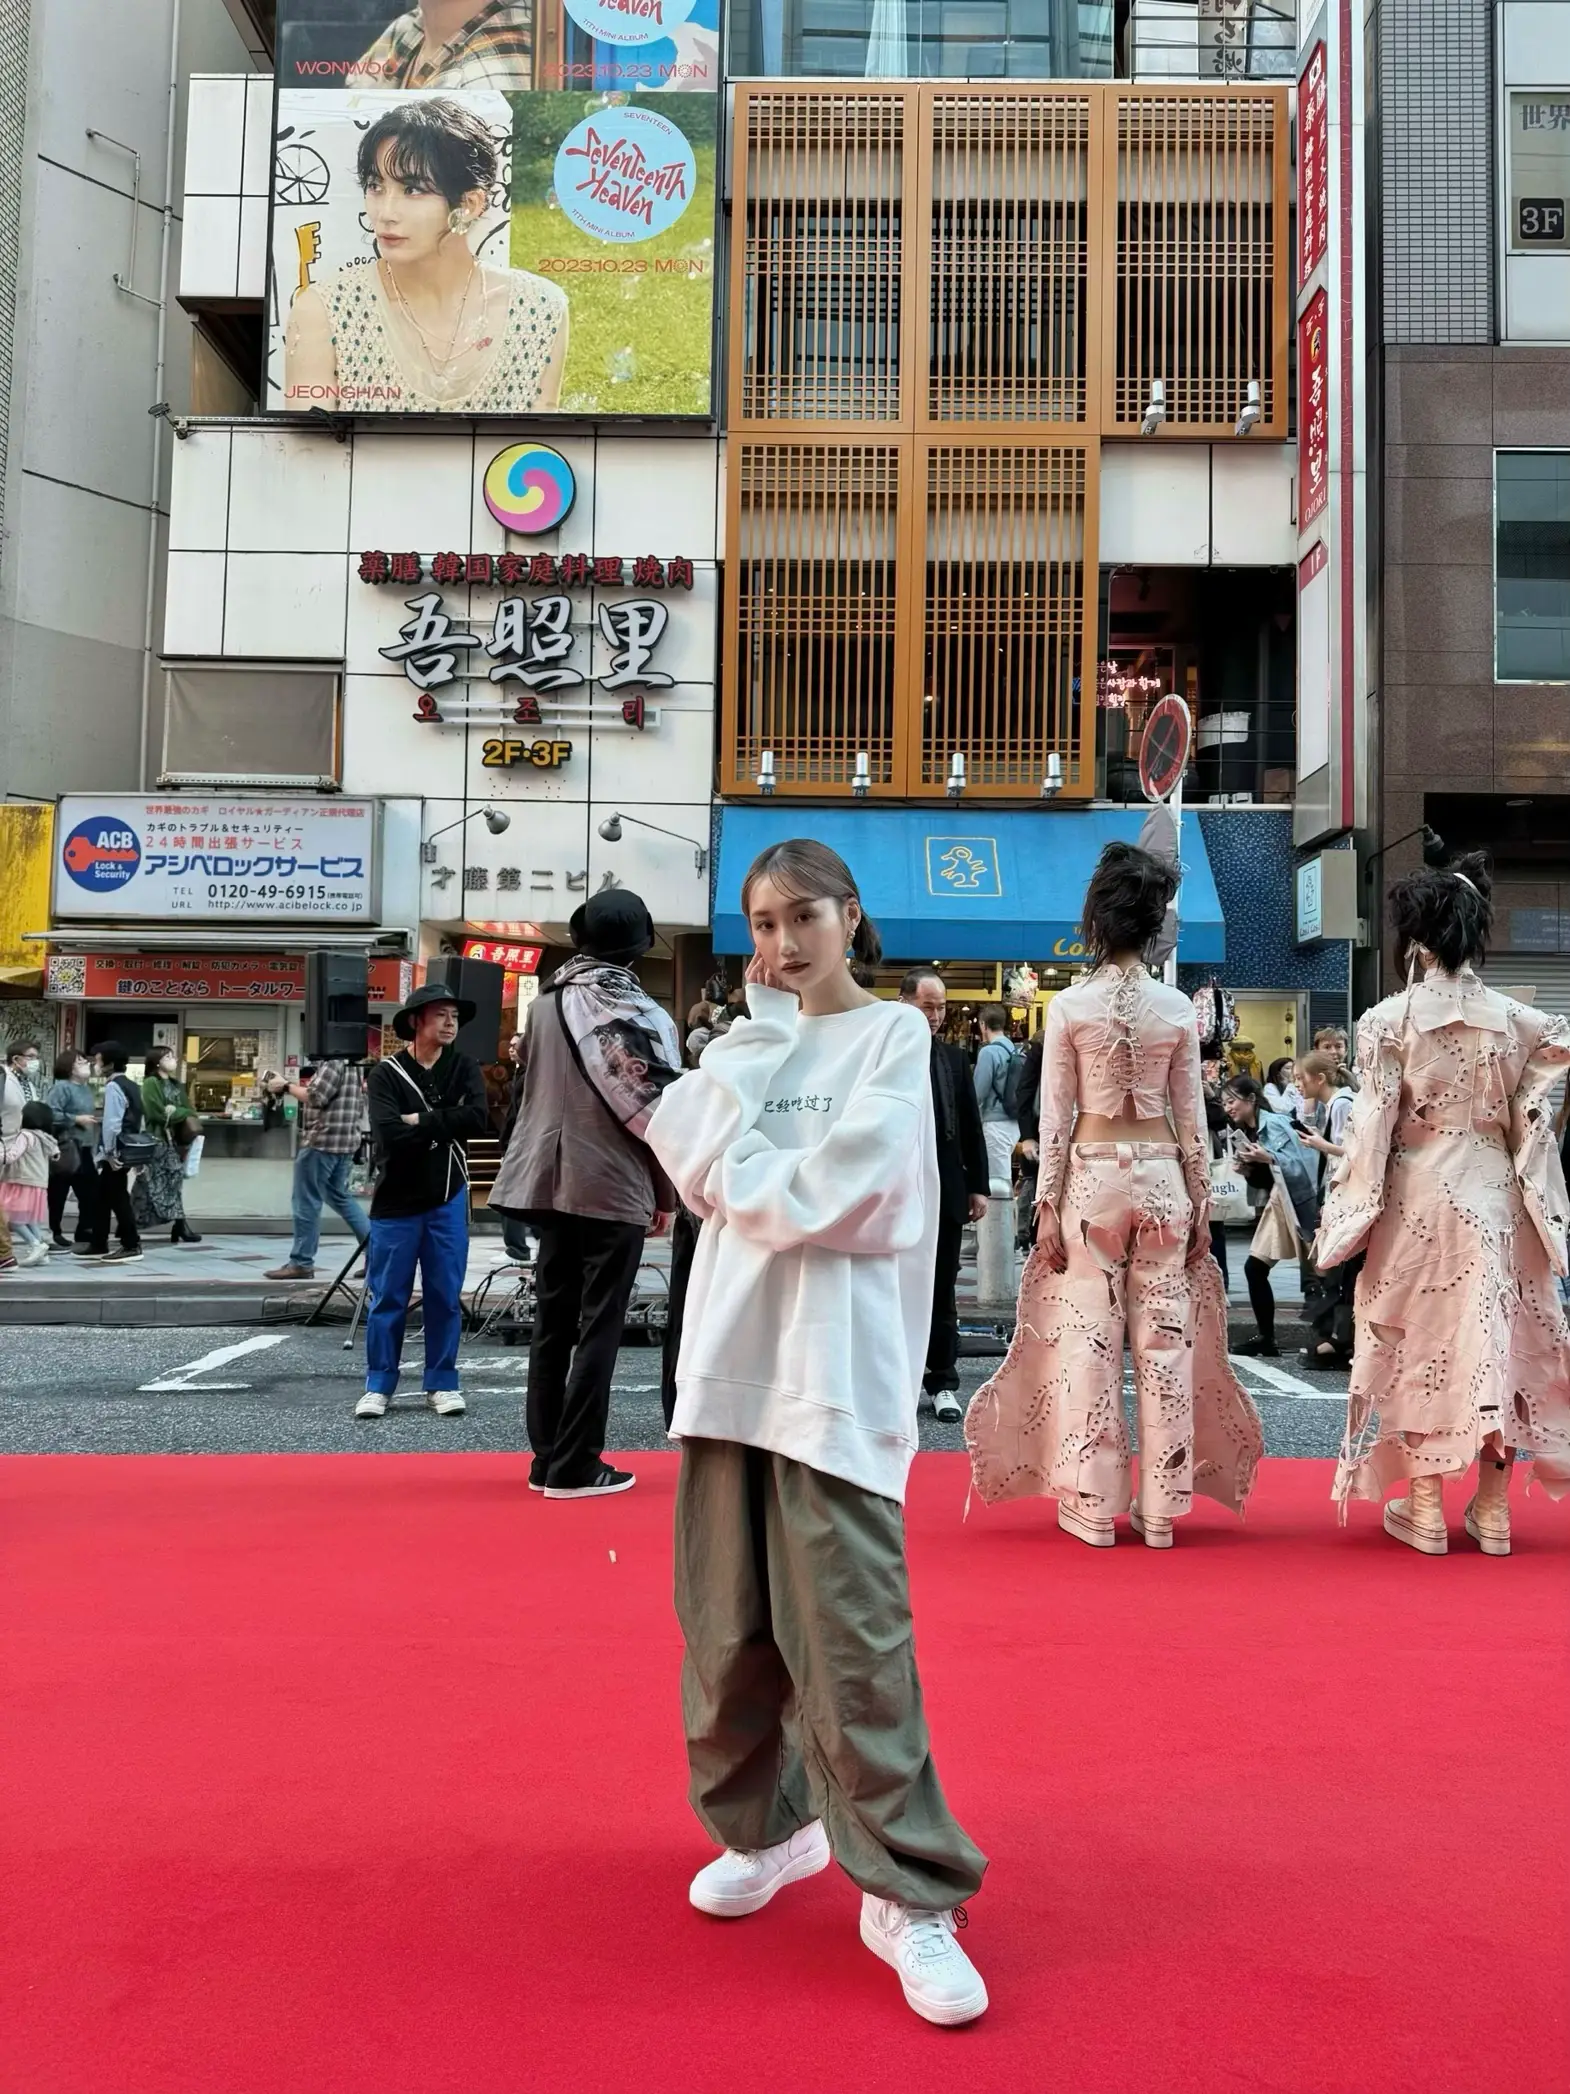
(1452, 1182)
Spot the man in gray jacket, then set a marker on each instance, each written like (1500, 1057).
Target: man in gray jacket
(599, 1052)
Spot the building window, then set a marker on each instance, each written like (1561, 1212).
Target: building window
(921, 39)
(1532, 566)
(251, 724)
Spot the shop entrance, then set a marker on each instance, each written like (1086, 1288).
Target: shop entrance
(1224, 639)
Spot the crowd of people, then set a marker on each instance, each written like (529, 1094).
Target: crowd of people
(120, 1149)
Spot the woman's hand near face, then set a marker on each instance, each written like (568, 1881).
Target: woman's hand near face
(758, 972)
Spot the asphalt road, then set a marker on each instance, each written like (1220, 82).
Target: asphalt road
(182, 1391)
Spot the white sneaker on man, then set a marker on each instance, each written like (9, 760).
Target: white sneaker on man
(744, 1879)
(946, 1407)
(373, 1404)
(940, 1982)
(446, 1403)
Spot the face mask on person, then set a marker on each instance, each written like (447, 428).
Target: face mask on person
(30, 1067)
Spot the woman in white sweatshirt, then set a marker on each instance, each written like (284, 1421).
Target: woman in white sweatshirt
(804, 1144)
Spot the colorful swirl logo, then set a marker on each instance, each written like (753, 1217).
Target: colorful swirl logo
(529, 488)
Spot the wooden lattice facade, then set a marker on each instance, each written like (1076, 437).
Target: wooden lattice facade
(942, 298)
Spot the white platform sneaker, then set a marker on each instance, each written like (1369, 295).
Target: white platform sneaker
(744, 1879)
(940, 1982)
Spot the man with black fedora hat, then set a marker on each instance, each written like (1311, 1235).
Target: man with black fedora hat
(426, 1102)
(599, 1053)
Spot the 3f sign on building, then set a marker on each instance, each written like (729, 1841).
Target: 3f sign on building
(494, 230)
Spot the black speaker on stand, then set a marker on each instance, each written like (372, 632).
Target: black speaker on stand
(337, 1006)
(478, 982)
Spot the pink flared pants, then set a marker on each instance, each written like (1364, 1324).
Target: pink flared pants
(1050, 1422)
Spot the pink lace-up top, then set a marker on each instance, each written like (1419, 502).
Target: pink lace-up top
(1122, 1043)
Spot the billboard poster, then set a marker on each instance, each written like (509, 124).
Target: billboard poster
(209, 860)
(517, 220)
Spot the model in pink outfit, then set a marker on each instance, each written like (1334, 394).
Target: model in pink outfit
(1122, 1245)
(1452, 1182)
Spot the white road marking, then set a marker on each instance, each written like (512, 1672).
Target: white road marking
(1285, 1384)
(185, 1377)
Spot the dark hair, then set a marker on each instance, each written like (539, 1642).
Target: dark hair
(1245, 1086)
(1448, 909)
(66, 1061)
(807, 871)
(113, 1056)
(1273, 1073)
(1126, 901)
(863, 977)
(436, 141)
(994, 1018)
(917, 975)
(19, 1047)
(36, 1114)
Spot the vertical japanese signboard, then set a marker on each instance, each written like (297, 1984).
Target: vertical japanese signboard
(520, 221)
(1332, 437)
(1313, 165)
(1313, 409)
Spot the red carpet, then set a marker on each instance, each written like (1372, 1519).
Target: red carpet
(355, 1775)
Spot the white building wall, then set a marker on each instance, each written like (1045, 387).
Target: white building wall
(1165, 503)
(267, 529)
(78, 497)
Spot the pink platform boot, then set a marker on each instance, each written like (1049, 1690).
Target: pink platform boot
(1418, 1519)
(1488, 1515)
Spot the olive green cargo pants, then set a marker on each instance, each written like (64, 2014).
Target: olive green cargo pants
(799, 1687)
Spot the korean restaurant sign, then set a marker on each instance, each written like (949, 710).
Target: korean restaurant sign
(515, 959)
(518, 222)
(545, 654)
(141, 977)
(1313, 383)
(215, 859)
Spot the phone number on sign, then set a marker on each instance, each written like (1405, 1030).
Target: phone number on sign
(241, 890)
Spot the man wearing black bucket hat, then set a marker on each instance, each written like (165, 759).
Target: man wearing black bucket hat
(599, 1053)
(426, 1103)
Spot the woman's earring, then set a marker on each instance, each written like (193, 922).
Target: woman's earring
(458, 221)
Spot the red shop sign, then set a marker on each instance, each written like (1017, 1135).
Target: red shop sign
(259, 978)
(516, 959)
(1313, 166)
(1313, 392)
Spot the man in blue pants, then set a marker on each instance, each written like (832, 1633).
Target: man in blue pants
(426, 1103)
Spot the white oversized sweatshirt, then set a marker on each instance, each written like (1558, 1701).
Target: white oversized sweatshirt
(805, 1147)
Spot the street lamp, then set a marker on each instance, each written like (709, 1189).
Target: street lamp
(766, 772)
(1052, 784)
(1155, 408)
(861, 783)
(495, 820)
(611, 827)
(956, 775)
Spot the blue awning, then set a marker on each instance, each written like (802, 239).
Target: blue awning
(945, 883)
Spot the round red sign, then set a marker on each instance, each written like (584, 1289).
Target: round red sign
(1163, 753)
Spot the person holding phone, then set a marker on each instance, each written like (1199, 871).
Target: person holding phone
(1275, 1161)
(805, 1146)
